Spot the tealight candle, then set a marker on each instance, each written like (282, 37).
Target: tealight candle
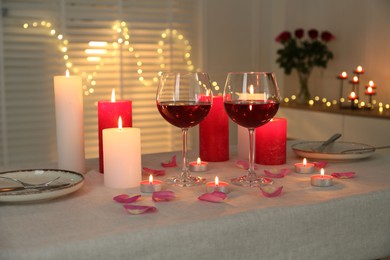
(321, 180)
(217, 186)
(198, 166)
(149, 186)
(304, 167)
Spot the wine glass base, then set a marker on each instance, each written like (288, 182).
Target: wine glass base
(252, 182)
(186, 182)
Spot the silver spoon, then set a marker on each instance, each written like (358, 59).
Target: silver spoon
(26, 184)
(322, 146)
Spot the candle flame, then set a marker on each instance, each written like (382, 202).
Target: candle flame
(344, 74)
(355, 79)
(251, 89)
(216, 181)
(113, 95)
(369, 89)
(120, 123)
(250, 107)
(353, 94)
(359, 69)
(198, 161)
(150, 179)
(304, 161)
(322, 172)
(371, 83)
(67, 73)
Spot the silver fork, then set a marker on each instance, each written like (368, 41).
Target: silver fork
(28, 185)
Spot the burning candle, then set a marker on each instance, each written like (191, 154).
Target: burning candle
(198, 166)
(149, 186)
(304, 167)
(355, 80)
(108, 114)
(359, 70)
(343, 75)
(68, 96)
(321, 180)
(122, 156)
(217, 185)
(352, 96)
(270, 142)
(370, 91)
(214, 132)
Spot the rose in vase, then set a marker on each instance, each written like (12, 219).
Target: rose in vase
(303, 54)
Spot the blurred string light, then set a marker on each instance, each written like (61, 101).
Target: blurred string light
(122, 38)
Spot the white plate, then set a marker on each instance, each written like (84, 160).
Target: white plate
(333, 151)
(75, 180)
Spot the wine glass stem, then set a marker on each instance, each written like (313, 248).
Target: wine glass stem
(251, 170)
(184, 170)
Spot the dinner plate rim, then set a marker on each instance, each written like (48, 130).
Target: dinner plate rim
(333, 156)
(39, 195)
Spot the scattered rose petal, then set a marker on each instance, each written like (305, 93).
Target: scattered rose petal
(244, 164)
(271, 191)
(170, 163)
(165, 195)
(215, 196)
(138, 209)
(343, 175)
(154, 172)
(125, 198)
(320, 164)
(276, 173)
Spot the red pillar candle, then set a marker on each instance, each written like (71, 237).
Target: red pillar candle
(214, 134)
(271, 142)
(108, 114)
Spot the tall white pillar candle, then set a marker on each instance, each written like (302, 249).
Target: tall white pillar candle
(122, 157)
(69, 122)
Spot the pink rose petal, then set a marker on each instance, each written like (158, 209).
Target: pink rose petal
(165, 195)
(343, 175)
(170, 163)
(275, 173)
(154, 172)
(215, 196)
(320, 164)
(138, 209)
(243, 164)
(125, 198)
(271, 191)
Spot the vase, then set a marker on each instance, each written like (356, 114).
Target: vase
(303, 96)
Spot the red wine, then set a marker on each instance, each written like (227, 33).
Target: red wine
(251, 114)
(183, 114)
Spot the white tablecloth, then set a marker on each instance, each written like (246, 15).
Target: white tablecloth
(350, 220)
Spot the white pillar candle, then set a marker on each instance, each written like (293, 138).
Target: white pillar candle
(122, 157)
(69, 122)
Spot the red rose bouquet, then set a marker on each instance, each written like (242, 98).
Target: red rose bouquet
(303, 54)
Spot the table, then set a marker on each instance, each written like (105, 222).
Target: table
(350, 220)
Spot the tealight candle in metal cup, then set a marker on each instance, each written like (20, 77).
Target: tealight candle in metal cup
(149, 186)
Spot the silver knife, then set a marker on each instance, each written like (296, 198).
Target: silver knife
(48, 187)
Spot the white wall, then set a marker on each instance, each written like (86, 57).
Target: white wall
(239, 36)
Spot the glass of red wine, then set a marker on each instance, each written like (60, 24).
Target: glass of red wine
(251, 99)
(184, 100)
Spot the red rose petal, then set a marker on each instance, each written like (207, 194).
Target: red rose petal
(243, 164)
(154, 172)
(276, 173)
(165, 195)
(271, 191)
(171, 163)
(320, 164)
(138, 209)
(125, 198)
(343, 175)
(215, 196)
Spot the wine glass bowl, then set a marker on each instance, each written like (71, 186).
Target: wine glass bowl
(251, 99)
(184, 100)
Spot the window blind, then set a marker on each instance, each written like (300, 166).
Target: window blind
(43, 38)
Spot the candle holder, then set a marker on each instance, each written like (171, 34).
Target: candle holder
(370, 91)
(321, 180)
(217, 186)
(343, 76)
(198, 166)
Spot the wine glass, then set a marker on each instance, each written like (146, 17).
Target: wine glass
(251, 99)
(184, 100)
